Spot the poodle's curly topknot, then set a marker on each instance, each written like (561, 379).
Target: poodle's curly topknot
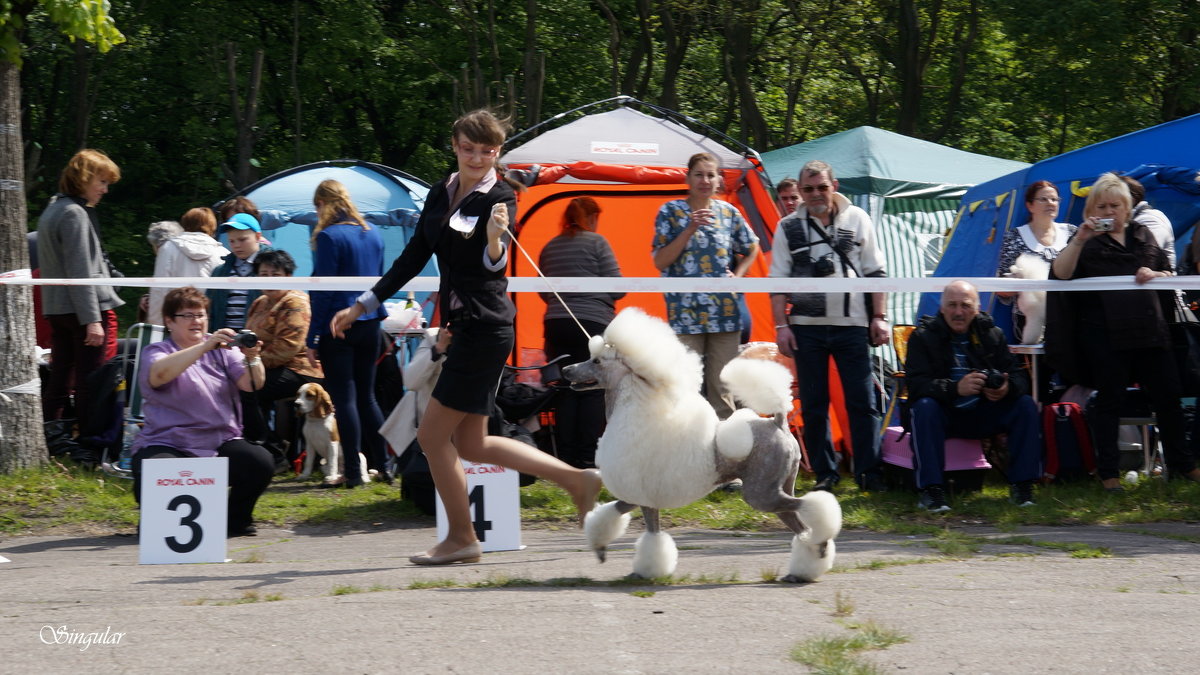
(649, 347)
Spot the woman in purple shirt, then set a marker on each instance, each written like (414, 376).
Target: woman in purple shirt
(190, 383)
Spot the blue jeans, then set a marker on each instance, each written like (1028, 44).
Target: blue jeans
(932, 424)
(848, 347)
(349, 365)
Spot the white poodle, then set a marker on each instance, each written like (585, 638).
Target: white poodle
(664, 447)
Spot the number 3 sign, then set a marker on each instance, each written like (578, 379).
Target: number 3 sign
(184, 502)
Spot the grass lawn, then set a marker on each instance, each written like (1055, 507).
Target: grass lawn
(63, 499)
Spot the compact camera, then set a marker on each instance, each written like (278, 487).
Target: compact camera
(245, 339)
(823, 267)
(992, 378)
(1103, 225)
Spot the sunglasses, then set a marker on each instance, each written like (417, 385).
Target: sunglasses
(809, 189)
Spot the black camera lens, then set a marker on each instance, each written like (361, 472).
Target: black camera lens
(993, 379)
(823, 267)
(246, 339)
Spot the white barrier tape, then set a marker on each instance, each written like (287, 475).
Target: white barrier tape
(33, 386)
(635, 284)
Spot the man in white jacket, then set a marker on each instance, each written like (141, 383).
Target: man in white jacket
(192, 254)
(828, 237)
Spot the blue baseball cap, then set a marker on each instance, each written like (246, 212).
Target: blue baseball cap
(240, 221)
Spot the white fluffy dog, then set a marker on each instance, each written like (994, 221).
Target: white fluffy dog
(1031, 303)
(321, 435)
(664, 447)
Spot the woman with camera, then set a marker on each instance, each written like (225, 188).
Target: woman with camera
(1109, 340)
(190, 384)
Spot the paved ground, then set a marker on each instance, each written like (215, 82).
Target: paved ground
(1011, 608)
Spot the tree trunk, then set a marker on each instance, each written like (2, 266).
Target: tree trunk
(535, 67)
(245, 115)
(22, 443)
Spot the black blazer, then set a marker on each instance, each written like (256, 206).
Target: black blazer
(483, 293)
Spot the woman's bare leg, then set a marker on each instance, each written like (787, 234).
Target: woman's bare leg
(438, 427)
(475, 445)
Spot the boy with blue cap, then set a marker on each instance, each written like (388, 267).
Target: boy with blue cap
(228, 306)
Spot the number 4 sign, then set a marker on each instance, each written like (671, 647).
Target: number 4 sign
(184, 503)
(494, 495)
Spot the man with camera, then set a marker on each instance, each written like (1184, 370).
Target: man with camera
(963, 382)
(828, 237)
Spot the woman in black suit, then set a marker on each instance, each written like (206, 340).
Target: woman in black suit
(465, 222)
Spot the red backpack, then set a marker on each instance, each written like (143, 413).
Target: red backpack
(1069, 450)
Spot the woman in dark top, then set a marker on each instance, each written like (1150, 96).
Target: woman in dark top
(464, 222)
(1120, 337)
(344, 245)
(578, 252)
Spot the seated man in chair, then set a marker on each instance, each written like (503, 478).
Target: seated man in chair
(964, 383)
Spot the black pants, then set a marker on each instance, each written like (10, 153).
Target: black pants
(1155, 370)
(250, 472)
(280, 383)
(578, 415)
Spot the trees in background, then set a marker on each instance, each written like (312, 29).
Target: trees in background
(205, 97)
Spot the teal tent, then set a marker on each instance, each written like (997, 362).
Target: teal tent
(910, 187)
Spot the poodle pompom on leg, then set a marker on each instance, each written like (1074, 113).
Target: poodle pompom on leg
(813, 550)
(809, 560)
(602, 525)
(654, 555)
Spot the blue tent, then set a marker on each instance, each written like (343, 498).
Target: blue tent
(1163, 158)
(387, 198)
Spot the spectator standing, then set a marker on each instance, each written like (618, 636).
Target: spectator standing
(1110, 339)
(578, 251)
(82, 319)
(1157, 221)
(788, 191)
(828, 237)
(192, 253)
(698, 237)
(345, 245)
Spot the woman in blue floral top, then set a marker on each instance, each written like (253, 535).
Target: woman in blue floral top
(702, 236)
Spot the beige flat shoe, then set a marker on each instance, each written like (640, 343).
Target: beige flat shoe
(467, 554)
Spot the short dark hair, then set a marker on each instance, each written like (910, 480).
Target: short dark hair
(787, 183)
(186, 297)
(277, 258)
(235, 205)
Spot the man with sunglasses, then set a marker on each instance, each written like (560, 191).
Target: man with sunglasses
(827, 236)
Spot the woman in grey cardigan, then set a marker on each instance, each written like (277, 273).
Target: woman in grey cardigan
(83, 324)
(578, 252)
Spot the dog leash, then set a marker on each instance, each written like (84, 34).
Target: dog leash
(512, 237)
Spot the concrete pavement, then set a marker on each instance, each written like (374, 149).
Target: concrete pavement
(323, 600)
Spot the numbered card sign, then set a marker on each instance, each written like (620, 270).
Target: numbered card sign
(184, 503)
(494, 494)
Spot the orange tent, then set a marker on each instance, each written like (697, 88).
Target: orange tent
(631, 163)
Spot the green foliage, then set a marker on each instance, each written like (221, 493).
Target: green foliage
(86, 20)
(838, 654)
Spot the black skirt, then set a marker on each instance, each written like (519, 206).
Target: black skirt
(473, 366)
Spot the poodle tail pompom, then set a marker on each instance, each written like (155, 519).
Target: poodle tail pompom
(735, 437)
(763, 386)
(820, 511)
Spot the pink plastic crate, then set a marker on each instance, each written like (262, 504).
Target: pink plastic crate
(961, 453)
